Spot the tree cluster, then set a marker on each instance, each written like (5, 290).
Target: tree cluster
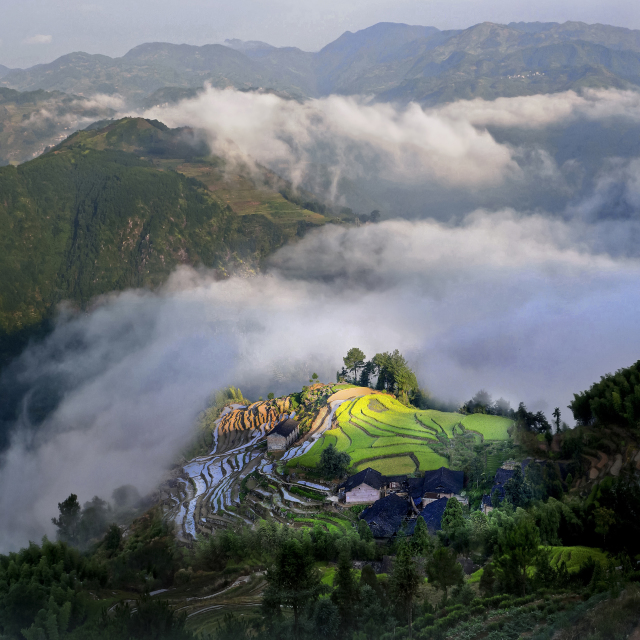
(615, 399)
(334, 463)
(388, 371)
(482, 402)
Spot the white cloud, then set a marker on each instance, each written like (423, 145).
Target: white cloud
(447, 148)
(38, 39)
(534, 112)
(346, 134)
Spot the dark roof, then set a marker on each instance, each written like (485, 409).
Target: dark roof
(441, 480)
(432, 515)
(367, 476)
(486, 500)
(414, 487)
(284, 428)
(503, 476)
(385, 516)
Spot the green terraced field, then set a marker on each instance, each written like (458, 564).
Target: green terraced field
(391, 466)
(494, 460)
(573, 557)
(491, 427)
(385, 442)
(379, 432)
(440, 420)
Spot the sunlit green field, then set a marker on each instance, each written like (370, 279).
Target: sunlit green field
(491, 427)
(576, 556)
(379, 432)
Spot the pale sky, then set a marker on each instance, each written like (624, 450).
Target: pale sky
(35, 31)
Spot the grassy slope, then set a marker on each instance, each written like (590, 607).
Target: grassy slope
(379, 432)
(574, 557)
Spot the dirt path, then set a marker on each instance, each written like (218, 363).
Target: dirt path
(348, 394)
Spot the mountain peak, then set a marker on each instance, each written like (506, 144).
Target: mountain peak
(247, 45)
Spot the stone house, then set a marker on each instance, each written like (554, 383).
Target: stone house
(283, 435)
(365, 486)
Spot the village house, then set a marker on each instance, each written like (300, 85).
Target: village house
(432, 514)
(386, 516)
(398, 500)
(437, 484)
(283, 435)
(365, 486)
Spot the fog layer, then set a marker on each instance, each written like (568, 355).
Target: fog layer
(507, 302)
(544, 153)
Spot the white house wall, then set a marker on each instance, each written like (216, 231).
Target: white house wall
(362, 493)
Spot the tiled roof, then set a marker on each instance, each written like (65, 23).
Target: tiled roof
(367, 476)
(441, 480)
(284, 428)
(432, 515)
(385, 516)
(503, 476)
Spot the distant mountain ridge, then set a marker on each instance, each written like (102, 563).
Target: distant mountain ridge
(392, 62)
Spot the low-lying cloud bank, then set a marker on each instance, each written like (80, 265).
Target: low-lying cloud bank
(506, 302)
(535, 153)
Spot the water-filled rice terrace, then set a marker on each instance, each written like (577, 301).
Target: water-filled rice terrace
(379, 432)
(237, 483)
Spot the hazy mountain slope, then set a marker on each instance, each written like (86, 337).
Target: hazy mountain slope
(215, 63)
(33, 120)
(488, 61)
(86, 74)
(3, 70)
(148, 68)
(617, 38)
(344, 61)
(299, 67)
(390, 61)
(94, 215)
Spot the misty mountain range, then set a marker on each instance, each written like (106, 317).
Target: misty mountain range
(393, 62)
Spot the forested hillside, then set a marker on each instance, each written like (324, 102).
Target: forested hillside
(97, 215)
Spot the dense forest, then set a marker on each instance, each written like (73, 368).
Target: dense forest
(85, 219)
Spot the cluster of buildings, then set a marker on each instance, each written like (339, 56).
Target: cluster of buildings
(505, 473)
(398, 501)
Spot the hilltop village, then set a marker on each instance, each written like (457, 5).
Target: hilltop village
(358, 513)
